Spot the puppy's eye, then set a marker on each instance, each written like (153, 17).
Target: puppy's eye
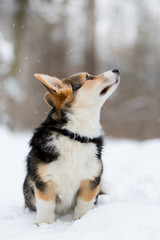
(88, 77)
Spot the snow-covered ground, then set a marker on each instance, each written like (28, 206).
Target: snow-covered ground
(131, 210)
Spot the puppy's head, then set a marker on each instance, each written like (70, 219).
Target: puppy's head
(81, 90)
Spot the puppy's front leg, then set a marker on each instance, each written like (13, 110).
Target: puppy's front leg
(86, 197)
(45, 202)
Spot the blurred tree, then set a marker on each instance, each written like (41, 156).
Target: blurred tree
(46, 53)
(136, 113)
(90, 37)
(11, 77)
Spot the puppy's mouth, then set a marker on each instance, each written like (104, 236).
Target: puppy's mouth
(105, 90)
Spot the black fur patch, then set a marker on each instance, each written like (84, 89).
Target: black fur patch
(29, 195)
(99, 144)
(75, 82)
(95, 182)
(40, 152)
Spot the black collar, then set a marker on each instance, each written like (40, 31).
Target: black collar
(75, 136)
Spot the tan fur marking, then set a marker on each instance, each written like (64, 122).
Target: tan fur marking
(42, 171)
(100, 168)
(90, 83)
(86, 192)
(82, 77)
(64, 96)
(49, 193)
(50, 188)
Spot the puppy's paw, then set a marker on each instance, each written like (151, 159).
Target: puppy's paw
(76, 218)
(44, 220)
(78, 215)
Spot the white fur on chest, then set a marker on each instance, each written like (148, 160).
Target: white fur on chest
(77, 162)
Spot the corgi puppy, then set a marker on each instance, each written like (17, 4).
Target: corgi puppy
(64, 165)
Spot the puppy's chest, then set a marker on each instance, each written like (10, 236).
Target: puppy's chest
(77, 161)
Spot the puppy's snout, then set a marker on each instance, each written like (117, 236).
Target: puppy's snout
(115, 71)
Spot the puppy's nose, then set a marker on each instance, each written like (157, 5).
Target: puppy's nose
(115, 71)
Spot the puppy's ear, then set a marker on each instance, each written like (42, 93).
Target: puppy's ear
(59, 93)
(49, 99)
(52, 84)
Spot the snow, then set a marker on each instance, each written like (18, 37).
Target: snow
(131, 210)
